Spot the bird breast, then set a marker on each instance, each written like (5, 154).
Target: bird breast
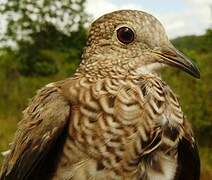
(122, 122)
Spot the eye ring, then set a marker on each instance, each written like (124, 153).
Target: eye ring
(125, 35)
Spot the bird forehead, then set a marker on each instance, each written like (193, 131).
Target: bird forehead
(133, 16)
(142, 22)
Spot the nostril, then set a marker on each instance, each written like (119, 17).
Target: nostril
(169, 53)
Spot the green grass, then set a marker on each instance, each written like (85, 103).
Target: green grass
(8, 127)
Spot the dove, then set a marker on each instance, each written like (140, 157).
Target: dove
(115, 118)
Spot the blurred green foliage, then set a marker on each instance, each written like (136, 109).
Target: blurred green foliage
(35, 27)
(40, 57)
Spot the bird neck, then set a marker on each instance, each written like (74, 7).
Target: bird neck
(97, 64)
(97, 71)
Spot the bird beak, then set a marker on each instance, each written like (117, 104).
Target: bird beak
(171, 56)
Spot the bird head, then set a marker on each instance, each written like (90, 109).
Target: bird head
(134, 41)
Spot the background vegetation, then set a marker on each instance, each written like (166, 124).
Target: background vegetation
(47, 47)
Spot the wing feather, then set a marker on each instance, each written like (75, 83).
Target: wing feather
(43, 122)
(188, 156)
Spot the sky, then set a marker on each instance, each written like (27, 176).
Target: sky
(179, 17)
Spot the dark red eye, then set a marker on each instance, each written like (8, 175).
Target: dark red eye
(125, 35)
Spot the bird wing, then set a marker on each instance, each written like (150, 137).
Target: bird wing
(43, 122)
(188, 157)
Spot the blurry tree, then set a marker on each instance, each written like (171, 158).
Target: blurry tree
(201, 44)
(35, 26)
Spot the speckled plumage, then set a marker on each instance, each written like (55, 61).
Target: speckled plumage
(114, 119)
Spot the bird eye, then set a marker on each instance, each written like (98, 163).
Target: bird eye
(125, 35)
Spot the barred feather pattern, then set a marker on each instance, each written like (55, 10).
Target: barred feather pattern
(121, 129)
